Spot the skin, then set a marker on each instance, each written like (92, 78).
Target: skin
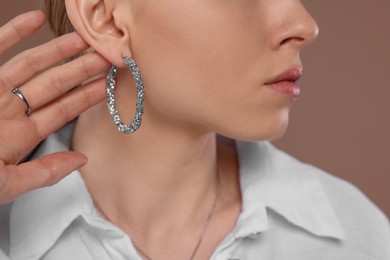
(204, 66)
(30, 70)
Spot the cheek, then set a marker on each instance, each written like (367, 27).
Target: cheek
(199, 49)
(206, 63)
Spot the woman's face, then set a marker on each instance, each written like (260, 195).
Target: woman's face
(205, 63)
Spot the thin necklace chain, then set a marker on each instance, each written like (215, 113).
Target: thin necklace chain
(204, 229)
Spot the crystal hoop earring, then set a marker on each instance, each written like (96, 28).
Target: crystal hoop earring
(136, 123)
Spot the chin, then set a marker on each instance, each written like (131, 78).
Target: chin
(278, 134)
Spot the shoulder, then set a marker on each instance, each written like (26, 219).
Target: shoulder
(347, 200)
(367, 228)
(355, 210)
(310, 212)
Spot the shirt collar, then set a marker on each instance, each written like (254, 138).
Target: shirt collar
(272, 179)
(269, 179)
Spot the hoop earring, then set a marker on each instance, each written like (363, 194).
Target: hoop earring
(136, 123)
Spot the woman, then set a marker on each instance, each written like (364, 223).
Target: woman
(171, 189)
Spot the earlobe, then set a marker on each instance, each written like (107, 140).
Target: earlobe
(99, 23)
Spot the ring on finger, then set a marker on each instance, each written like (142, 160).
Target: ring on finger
(18, 93)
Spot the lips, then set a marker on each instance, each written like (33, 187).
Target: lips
(285, 82)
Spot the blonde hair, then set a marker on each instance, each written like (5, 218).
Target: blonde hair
(57, 17)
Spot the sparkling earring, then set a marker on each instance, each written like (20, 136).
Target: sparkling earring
(136, 123)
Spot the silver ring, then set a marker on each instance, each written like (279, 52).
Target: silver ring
(17, 92)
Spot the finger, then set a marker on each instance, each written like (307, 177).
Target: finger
(53, 116)
(58, 80)
(19, 28)
(26, 64)
(39, 173)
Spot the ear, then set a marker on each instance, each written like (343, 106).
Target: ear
(104, 24)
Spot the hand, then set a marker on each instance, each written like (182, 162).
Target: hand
(46, 89)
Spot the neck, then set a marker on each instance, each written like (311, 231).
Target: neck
(161, 177)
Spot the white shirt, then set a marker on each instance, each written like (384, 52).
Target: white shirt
(290, 211)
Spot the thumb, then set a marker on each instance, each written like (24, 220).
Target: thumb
(38, 173)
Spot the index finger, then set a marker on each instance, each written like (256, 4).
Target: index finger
(30, 62)
(19, 28)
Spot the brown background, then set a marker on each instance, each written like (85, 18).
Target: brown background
(341, 122)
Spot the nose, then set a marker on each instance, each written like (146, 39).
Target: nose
(296, 28)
